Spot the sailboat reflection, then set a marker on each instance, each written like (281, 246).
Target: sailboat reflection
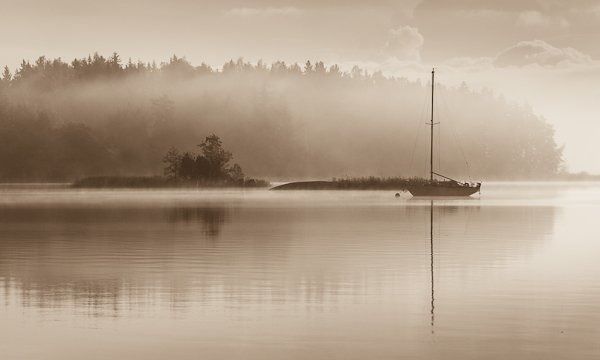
(431, 264)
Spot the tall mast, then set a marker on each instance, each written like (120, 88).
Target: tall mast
(431, 124)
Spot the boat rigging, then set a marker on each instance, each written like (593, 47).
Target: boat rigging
(447, 186)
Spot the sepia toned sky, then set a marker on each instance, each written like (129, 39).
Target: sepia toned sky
(542, 52)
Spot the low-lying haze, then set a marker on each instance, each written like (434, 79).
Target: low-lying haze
(544, 53)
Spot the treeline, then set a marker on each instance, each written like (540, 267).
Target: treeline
(104, 116)
(51, 73)
(34, 147)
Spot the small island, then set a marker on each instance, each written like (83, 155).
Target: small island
(207, 169)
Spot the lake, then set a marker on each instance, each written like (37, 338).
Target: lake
(232, 274)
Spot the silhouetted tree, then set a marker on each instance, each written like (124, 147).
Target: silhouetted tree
(320, 68)
(187, 168)
(308, 67)
(172, 162)
(178, 67)
(216, 156)
(210, 165)
(335, 70)
(202, 167)
(235, 173)
(6, 75)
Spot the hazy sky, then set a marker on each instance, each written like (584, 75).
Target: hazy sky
(543, 52)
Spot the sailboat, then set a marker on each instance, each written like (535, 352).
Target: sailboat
(446, 186)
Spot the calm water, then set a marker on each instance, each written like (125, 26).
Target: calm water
(300, 275)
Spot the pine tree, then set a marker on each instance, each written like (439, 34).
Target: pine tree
(6, 75)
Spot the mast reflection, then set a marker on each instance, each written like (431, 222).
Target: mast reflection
(431, 265)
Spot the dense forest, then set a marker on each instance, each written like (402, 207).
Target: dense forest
(104, 116)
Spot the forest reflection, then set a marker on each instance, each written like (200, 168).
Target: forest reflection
(108, 262)
(211, 218)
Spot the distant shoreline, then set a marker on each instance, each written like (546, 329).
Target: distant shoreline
(374, 183)
(368, 183)
(159, 182)
(149, 182)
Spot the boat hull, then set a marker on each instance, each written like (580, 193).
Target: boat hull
(440, 190)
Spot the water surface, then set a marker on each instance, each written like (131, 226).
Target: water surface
(228, 274)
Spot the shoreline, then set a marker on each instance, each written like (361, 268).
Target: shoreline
(159, 182)
(396, 183)
(370, 183)
(162, 183)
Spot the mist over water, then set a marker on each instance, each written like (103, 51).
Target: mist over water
(99, 115)
(257, 274)
(139, 140)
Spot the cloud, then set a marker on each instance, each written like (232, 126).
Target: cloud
(404, 43)
(264, 12)
(547, 7)
(537, 19)
(478, 5)
(470, 64)
(538, 52)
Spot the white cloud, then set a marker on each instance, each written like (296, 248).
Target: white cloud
(538, 52)
(537, 19)
(470, 63)
(404, 43)
(268, 11)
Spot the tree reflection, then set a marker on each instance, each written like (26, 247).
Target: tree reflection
(212, 218)
(110, 261)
